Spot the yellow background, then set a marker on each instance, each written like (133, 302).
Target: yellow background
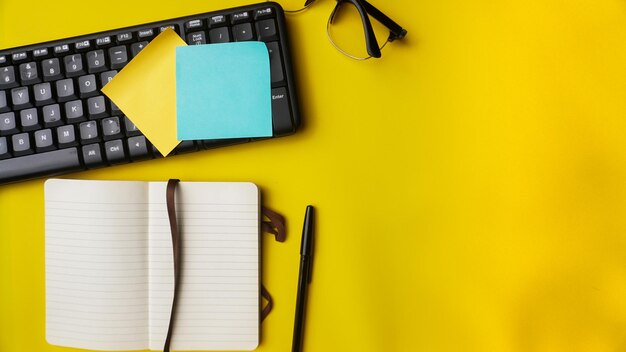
(470, 185)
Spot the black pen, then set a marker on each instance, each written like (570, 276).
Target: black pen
(304, 279)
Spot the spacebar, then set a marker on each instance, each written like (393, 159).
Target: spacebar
(35, 165)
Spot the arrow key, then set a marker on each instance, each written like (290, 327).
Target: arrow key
(138, 148)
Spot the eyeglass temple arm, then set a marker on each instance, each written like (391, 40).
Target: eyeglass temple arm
(397, 32)
(370, 38)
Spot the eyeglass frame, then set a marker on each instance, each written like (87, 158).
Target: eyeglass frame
(365, 10)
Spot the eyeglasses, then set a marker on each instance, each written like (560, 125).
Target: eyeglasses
(342, 37)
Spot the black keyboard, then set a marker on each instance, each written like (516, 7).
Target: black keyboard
(54, 119)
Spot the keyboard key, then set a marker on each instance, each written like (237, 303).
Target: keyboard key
(111, 128)
(172, 26)
(66, 136)
(7, 77)
(4, 148)
(96, 107)
(243, 32)
(87, 86)
(106, 77)
(21, 98)
(131, 129)
(60, 50)
(138, 148)
(135, 48)
(51, 115)
(43, 140)
(39, 164)
(21, 144)
(266, 30)
(118, 56)
(19, 57)
(96, 61)
(74, 65)
(103, 42)
(263, 13)
(185, 147)
(65, 90)
(217, 21)
(145, 33)
(281, 113)
(51, 69)
(276, 64)
(40, 53)
(8, 125)
(239, 17)
(4, 104)
(74, 111)
(193, 24)
(43, 94)
(124, 37)
(83, 45)
(114, 151)
(29, 119)
(92, 155)
(196, 38)
(219, 35)
(115, 110)
(29, 74)
(88, 132)
(3, 59)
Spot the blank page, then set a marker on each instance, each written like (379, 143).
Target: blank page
(96, 264)
(218, 304)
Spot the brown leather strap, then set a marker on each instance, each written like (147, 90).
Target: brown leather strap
(270, 303)
(275, 225)
(171, 213)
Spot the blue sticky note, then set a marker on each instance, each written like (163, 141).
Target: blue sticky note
(223, 91)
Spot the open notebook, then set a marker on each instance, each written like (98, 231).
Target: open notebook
(109, 265)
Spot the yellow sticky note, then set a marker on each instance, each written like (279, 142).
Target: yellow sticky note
(145, 90)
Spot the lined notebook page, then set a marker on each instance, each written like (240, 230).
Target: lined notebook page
(218, 304)
(96, 264)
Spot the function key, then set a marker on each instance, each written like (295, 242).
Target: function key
(193, 24)
(61, 49)
(104, 41)
(172, 26)
(43, 52)
(217, 21)
(3, 59)
(263, 13)
(145, 33)
(124, 37)
(83, 45)
(239, 17)
(21, 56)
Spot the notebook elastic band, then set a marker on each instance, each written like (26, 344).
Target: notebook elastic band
(275, 225)
(171, 213)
